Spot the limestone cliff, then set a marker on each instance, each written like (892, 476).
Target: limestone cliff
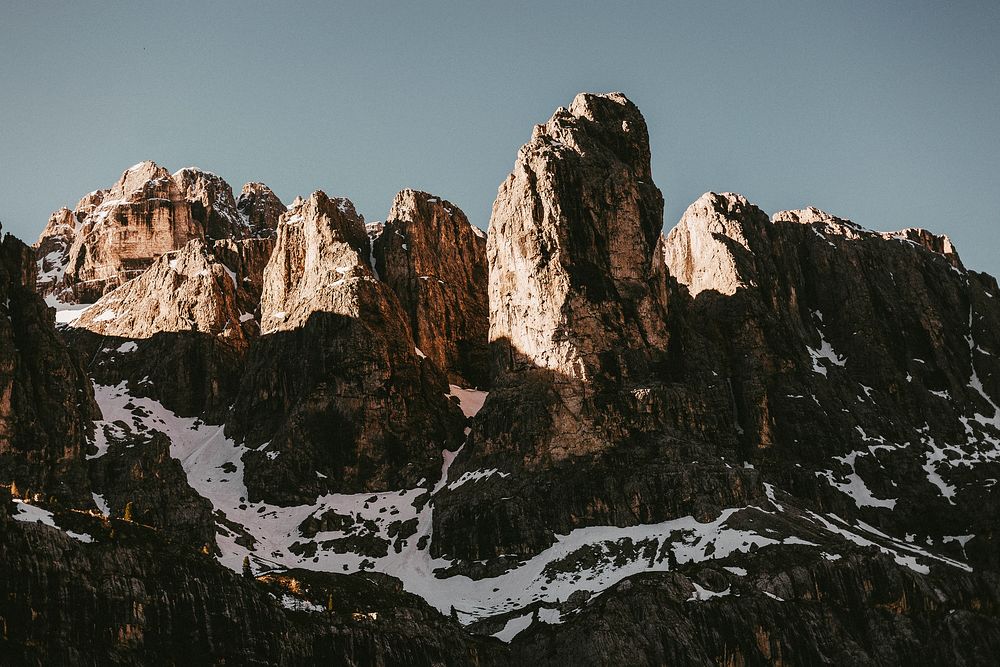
(435, 262)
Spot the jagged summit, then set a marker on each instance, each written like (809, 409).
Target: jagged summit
(260, 208)
(576, 223)
(753, 440)
(434, 260)
(119, 232)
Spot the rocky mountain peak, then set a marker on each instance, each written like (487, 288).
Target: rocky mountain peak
(936, 243)
(576, 276)
(184, 290)
(708, 248)
(52, 248)
(135, 179)
(212, 203)
(321, 245)
(260, 208)
(434, 260)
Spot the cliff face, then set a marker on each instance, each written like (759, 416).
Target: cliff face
(186, 290)
(46, 402)
(114, 235)
(336, 384)
(434, 260)
(576, 275)
(859, 363)
(578, 325)
(89, 592)
(260, 208)
(141, 217)
(756, 440)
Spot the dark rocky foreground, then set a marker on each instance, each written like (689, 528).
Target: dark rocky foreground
(753, 440)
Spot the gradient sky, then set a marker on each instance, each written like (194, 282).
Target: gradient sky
(887, 113)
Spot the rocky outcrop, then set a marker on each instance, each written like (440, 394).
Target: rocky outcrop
(212, 204)
(52, 249)
(144, 215)
(434, 260)
(46, 401)
(247, 259)
(319, 264)
(856, 364)
(578, 326)
(862, 609)
(260, 208)
(186, 290)
(335, 385)
(114, 235)
(142, 598)
(576, 274)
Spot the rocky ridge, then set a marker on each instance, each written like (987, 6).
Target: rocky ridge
(434, 260)
(757, 439)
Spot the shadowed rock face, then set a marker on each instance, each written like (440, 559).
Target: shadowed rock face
(212, 204)
(52, 249)
(46, 401)
(260, 208)
(335, 384)
(435, 262)
(861, 365)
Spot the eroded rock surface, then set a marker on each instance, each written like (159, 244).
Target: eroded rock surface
(434, 260)
(335, 385)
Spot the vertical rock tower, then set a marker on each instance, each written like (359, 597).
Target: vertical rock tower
(577, 279)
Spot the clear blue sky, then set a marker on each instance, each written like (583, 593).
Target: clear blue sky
(887, 113)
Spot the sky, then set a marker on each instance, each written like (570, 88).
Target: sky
(886, 113)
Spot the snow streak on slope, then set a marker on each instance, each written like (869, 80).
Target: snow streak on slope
(391, 531)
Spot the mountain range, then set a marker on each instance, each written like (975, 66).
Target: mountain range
(239, 431)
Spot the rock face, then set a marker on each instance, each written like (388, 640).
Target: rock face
(578, 325)
(319, 264)
(774, 617)
(52, 249)
(576, 275)
(145, 599)
(335, 384)
(260, 208)
(212, 204)
(435, 262)
(186, 290)
(114, 235)
(46, 402)
(859, 363)
(142, 216)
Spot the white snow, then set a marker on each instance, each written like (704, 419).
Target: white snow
(108, 314)
(825, 351)
(513, 627)
(470, 400)
(475, 476)
(701, 594)
(298, 604)
(129, 346)
(29, 513)
(612, 553)
(102, 504)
